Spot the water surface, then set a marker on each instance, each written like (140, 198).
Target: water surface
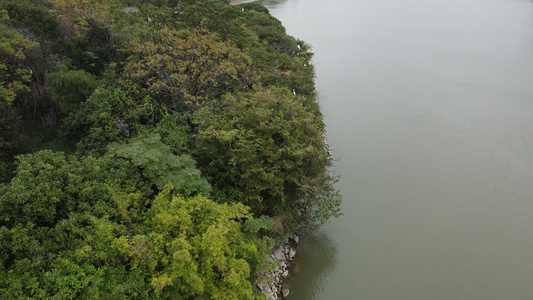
(429, 107)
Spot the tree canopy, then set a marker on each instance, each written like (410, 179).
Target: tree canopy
(264, 147)
(182, 69)
(153, 149)
(13, 76)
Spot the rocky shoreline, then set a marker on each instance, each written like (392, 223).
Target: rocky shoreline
(274, 284)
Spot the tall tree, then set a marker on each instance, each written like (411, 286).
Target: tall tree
(195, 248)
(264, 148)
(182, 69)
(13, 76)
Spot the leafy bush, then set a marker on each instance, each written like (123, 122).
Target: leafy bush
(81, 228)
(264, 148)
(160, 166)
(71, 88)
(107, 116)
(13, 77)
(38, 19)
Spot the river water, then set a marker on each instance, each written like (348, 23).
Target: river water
(429, 109)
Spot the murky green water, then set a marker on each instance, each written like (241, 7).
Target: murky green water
(429, 107)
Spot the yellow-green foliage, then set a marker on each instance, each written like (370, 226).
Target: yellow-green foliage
(70, 228)
(182, 68)
(13, 76)
(194, 247)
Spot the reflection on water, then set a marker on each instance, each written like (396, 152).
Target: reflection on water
(316, 258)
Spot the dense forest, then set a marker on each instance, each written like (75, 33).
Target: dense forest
(153, 149)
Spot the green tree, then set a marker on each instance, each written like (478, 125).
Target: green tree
(48, 186)
(71, 88)
(268, 29)
(161, 166)
(195, 248)
(216, 16)
(12, 140)
(81, 228)
(13, 76)
(129, 217)
(265, 149)
(282, 60)
(59, 217)
(36, 23)
(174, 132)
(38, 19)
(82, 14)
(107, 116)
(182, 69)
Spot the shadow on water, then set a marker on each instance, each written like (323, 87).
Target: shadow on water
(316, 258)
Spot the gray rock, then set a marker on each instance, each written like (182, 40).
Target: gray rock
(275, 285)
(278, 253)
(292, 252)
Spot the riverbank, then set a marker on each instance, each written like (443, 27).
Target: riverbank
(274, 283)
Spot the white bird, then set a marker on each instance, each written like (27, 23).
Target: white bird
(299, 46)
(294, 92)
